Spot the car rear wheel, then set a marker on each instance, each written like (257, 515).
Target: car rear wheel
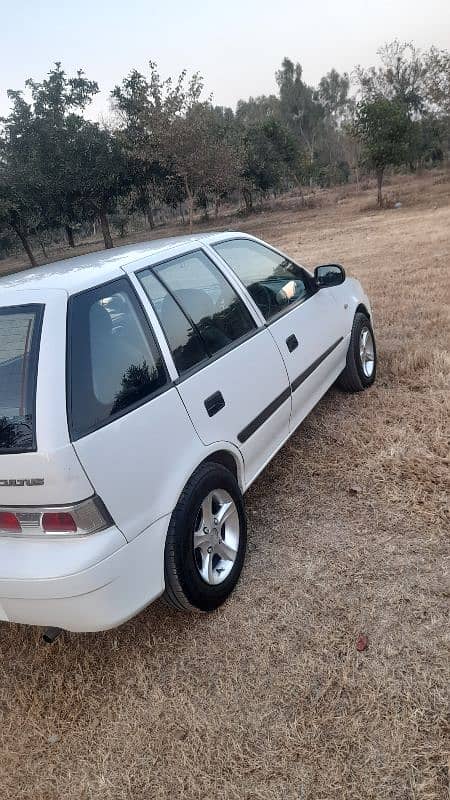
(361, 366)
(206, 541)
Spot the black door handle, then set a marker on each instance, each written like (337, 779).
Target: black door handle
(292, 342)
(214, 403)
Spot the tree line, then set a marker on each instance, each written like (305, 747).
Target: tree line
(169, 146)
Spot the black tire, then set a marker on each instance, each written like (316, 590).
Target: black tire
(353, 378)
(185, 588)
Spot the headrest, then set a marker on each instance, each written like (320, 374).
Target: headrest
(100, 321)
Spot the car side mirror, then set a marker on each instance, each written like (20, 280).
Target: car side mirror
(329, 275)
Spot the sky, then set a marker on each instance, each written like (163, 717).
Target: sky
(237, 45)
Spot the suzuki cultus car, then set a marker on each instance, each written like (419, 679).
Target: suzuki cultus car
(142, 391)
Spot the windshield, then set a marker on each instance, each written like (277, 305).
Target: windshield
(20, 328)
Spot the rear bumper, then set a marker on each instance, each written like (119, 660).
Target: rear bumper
(87, 584)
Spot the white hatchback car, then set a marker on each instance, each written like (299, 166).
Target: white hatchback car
(141, 393)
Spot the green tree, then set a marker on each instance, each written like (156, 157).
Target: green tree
(257, 110)
(428, 141)
(271, 156)
(20, 210)
(385, 131)
(57, 105)
(133, 104)
(147, 111)
(225, 156)
(400, 77)
(333, 94)
(98, 174)
(420, 82)
(18, 214)
(35, 153)
(437, 80)
(300, 107)
(59, 168)
(184, 131)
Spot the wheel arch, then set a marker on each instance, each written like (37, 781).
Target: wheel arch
(228, 460)
(362, 309)
(221, 454)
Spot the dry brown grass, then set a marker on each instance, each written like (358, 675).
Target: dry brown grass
(269, 698)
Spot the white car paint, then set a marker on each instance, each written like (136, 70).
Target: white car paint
(256, 385)
(139, 463)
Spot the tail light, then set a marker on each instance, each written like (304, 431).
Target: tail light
(9, 522)
(80, 519)
(58, 522)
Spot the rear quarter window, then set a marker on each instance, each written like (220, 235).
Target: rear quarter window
(20, 330)
(114, 363)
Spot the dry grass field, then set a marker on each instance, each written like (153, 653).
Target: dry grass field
(269, 698)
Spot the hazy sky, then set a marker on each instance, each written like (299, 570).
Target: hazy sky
(235, 44)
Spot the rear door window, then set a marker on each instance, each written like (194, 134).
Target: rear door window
(20, 330)
(114, 362)
(199, 310)
(186, 344)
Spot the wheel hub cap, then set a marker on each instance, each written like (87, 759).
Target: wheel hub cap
(367, 352)
(216, 537)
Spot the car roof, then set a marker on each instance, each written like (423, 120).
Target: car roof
(92, 269)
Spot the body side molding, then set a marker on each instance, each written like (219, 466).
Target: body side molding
(267, 412)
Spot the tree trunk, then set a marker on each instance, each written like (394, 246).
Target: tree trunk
(106, 231)
(311, 162)
(69, 234)
(248, 200)
(190, 201)
(300, 189)
(216, 207)
(191, 213)
(379, 185)
(150, 218)
(26, 246)
(43, 248)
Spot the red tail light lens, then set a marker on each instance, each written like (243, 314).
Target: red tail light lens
(58, 522)
(82, 519)
(9, 523)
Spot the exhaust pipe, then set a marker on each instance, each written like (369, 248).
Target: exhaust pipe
(50, 635)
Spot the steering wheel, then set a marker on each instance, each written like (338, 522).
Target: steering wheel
(263, 298)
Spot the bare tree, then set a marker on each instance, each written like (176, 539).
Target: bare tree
(185, 133)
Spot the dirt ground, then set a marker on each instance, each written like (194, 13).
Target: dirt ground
(269, 698)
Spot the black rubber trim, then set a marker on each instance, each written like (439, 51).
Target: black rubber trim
(253, 426)
(304, 375)
(267, 412)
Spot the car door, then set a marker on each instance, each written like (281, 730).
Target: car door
(303, 322)
(126, 419)
(232, 378)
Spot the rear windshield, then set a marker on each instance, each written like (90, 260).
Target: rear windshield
(20, 328)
